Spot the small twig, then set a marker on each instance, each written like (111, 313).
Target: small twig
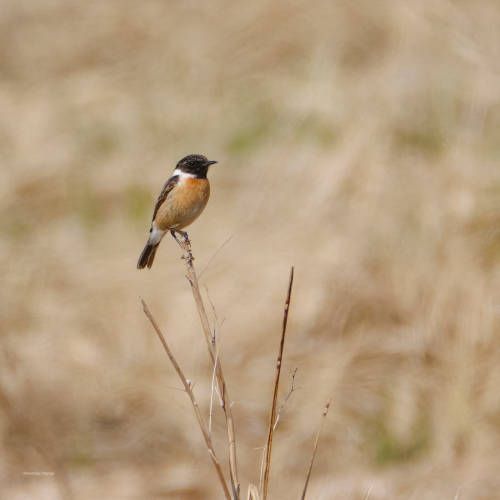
(287, 397)
(253, 492)
(172, 388)
(368, 493)
(212, 351)
(188, 388)
(216, 319)
(292, 389)
(315, 448)
(262, 467)
(228, 239)
(213, 389)
(272, 417)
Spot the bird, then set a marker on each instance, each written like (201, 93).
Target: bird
(181, 201)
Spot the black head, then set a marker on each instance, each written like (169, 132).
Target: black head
(195, 164)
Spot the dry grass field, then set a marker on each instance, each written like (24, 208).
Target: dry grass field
(357, 140)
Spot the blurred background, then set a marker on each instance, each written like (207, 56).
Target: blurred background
(356, 140)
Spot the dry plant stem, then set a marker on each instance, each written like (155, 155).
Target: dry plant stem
(188, 389)
(212, 391)
(287, 397)
(253, 492)
(212, 350)
(272, 417)
(315, 448)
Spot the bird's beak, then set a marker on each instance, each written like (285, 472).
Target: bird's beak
(212, 162)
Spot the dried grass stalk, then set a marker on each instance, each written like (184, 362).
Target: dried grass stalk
(315, 448)
(253, 492)
(185, 244)
(189, 391)
(272, 417)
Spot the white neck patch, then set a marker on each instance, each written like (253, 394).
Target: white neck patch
(183, 175)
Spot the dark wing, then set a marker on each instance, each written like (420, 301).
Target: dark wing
(169, 185)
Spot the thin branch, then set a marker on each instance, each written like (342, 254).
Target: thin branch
(189, 391)
(368, 493)
(212, 391)
(287, 397)
(262, 467)
(214, 312)
(213, 387)
(315, 448)
(227, 240)
(253, 492)
(272, 417)
(212, 350)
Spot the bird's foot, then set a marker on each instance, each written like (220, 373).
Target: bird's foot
(179, 242)
(186, 237)
(185, 245)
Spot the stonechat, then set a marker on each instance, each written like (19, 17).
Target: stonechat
(181, 201)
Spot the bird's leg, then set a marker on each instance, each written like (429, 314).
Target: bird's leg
(179, 242)
(185, 245)
(186, 237)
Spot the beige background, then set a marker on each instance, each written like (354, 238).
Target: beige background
(357, 140)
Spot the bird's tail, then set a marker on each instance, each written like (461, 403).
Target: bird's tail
(147, 256)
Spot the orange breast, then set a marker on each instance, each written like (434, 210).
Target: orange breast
(183, 204)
